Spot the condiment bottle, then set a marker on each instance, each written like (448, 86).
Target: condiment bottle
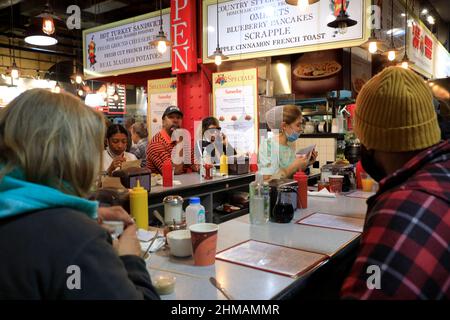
(223, 164)
(167, 173)
(302, 191)
(139, 206)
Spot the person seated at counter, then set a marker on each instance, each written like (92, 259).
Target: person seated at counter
(213, 136)
(404, 248)
(115, 155)
(139, 136)
(58, 250)
(277, 158)
(160, 147)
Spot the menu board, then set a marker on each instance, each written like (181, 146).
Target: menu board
(235, 103)
(123, 46)
(259, 28)
(116, 99)
(161, 94)
(272, 258)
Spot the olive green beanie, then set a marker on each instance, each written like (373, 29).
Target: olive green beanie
(395, 112)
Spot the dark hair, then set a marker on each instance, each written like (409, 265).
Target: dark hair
(115, 128)
(140, 129)
(209, 121)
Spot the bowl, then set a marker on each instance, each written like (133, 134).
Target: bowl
(164, 284)
(179, 242)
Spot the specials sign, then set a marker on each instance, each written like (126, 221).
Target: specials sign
(183, 28)
(257, 28)
(123, 47)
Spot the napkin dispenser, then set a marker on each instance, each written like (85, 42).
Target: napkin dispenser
(238, 165)
(130, 176)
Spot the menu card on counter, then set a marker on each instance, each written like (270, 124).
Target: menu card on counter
(272, 258)
(319, 219)
(360, 194)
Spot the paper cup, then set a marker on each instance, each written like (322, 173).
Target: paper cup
(115, 227)
(204, 243)
(180, 243)
(336, 183)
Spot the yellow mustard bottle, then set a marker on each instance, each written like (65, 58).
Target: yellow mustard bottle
(139, 206)
(223, 164)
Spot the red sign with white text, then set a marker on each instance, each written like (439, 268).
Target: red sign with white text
(183, 35)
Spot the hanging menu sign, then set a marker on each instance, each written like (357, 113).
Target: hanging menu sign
(161, 94)
(123, 47)
(257, 28)
(421, 48)
(116, 99)
(236, 106)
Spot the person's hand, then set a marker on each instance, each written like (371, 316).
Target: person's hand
(313, 157)
(116, 163)
(300, 163)
(114, 213)
(128, 243)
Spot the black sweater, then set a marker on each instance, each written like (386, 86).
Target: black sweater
(37, 249)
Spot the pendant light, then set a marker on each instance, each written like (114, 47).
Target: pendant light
(14, 71)
(342, 21)
(161, 42)
(217, 55)
(41, 30)
(392, 51)
(406, 63)
(302, 5)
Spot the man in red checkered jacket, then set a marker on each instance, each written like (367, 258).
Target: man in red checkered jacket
(405, 246)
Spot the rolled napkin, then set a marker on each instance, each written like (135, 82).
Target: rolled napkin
(322, 193)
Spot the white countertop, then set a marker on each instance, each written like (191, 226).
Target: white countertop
(248, 283)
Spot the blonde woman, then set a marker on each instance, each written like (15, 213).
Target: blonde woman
(50, 244)
(277, 157)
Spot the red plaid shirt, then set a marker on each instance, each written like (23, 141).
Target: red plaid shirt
(161, 148)
(407, 233)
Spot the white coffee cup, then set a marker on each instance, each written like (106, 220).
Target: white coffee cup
(180, 244)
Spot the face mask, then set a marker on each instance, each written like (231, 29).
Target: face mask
(370, 166)
(293, 136)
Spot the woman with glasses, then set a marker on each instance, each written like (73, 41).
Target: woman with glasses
(277, 158)
(213, 141)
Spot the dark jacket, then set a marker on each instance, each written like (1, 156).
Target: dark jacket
(38, 248)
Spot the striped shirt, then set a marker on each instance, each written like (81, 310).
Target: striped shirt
(161, 148)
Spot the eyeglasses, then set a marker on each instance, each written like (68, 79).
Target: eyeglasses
(218, 128)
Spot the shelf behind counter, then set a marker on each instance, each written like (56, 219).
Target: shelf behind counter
(212, 193)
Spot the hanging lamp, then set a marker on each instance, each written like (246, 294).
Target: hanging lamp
(41, 31)
(392, 52)
(342, 21)
(406, 63)
(14, 71)
(218, 55)
(161, 42)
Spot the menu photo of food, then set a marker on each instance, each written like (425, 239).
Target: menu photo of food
(316, 72)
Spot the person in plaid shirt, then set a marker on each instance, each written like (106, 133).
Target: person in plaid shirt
(405, 246)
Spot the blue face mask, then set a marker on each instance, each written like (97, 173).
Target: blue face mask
(293, 136)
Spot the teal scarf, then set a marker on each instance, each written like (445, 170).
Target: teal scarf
(18, 196)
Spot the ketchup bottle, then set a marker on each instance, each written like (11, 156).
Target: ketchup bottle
(302, 191)
(167, 173)
(359, 169)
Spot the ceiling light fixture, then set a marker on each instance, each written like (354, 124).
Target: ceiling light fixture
(431, 20)
(406, 63)
(217, 55)
(392, 51)
(161, 42)
(342, 21)
(41, 32)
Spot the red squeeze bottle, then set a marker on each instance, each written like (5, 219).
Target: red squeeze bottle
(253, 163)
(167, 173)
(359, 169)
(302, 191)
